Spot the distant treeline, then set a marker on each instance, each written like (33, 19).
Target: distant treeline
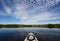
(23, 25)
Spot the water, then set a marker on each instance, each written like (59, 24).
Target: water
(19, 34)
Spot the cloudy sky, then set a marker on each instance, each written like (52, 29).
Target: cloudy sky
(29, 11)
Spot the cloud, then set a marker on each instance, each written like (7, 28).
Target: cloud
(31, 11)
(20, 12)
(46, 16)
(41, 18)
(23, 10)
(7, 10)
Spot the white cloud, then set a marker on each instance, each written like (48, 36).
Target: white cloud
(5, 7)
(7, 10)
(24, 13)
(41, 17)
(20, 12)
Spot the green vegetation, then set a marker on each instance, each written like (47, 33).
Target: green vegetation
(51, 26)
(23, 25)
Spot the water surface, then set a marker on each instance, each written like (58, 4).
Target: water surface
(19, 34)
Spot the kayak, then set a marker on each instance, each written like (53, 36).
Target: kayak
(31, 37)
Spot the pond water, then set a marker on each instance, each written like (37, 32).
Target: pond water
(19, 34)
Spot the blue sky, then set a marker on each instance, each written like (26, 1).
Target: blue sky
(29, 11)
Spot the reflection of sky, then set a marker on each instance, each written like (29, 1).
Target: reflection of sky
(30, 11)
(18, 34)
